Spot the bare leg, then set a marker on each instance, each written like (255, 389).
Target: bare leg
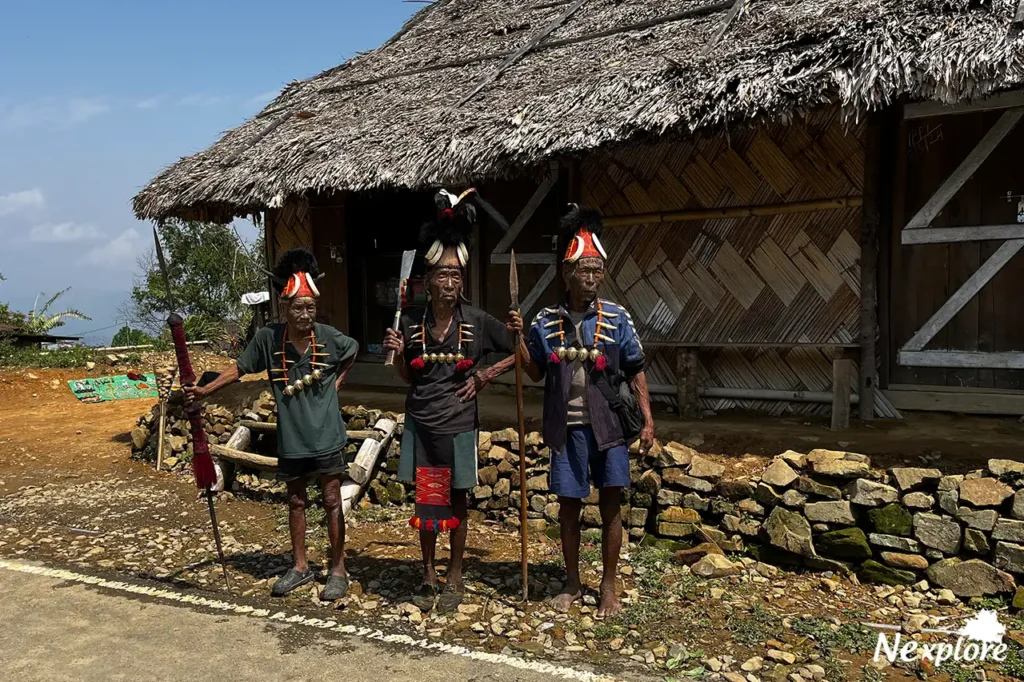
(458, 540)
(611, 543)
(569, 522)
(331, 487)
(428, 546)
(297, 522)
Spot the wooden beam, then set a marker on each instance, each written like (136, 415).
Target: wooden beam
(963, 173)
(962, 295)
(524, 258)
(494, 213)
(869, 270)
(687, 384)
(531, 207)
(244, 458)
(546, 278)
(956, 399)
(950, 235)
(724, 26)
(743, 344)
(1003, 100)
(531, 44)
(962, 358)
(732, 212)
(842, 382)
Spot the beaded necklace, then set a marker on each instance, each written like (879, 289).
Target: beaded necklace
(593, 354)
(465, 337)
(301, 384)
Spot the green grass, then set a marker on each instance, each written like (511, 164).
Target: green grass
(848, 637)
(604, 631)
(590, 554)
(756, 627)
(654, 562)
(642, 612)
(64, 358)
(1013, 666)
(990, 603)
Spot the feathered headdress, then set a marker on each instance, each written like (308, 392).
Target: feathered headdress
(296, 274)
(580, 232)
(451, 229)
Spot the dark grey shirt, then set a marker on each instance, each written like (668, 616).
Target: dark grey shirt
(431, 399)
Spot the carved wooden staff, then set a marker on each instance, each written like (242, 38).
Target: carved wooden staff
(513, 286)
(202, 463)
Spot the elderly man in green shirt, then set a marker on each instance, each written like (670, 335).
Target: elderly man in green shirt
(306, 362)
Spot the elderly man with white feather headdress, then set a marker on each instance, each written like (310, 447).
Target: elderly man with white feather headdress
(437, 350)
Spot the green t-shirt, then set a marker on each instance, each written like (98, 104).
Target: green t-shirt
(309, 423)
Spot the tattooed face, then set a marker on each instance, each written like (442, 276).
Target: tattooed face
(584, 278)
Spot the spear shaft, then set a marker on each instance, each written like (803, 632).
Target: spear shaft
(513, 285)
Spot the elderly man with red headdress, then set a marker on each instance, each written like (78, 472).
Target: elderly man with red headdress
(306, 362)
(587, 351)
(437, 350)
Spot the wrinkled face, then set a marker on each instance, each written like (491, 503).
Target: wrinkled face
(584, 278)
(300, 312)
(445, 283)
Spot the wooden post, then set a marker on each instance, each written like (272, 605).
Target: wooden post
(842, 382)
(686, 383)
(868, 273)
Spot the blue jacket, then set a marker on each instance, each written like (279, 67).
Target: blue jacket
(624, 353)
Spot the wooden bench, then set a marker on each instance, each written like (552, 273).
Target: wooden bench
(689, 391)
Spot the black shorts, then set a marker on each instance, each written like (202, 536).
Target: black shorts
(295, 468)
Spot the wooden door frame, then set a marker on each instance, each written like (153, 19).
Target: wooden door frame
(918, 231)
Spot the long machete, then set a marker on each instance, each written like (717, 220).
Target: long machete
(513, 286)
(202, 462)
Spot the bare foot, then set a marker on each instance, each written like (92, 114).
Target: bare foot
(562, 601)
(610, 604)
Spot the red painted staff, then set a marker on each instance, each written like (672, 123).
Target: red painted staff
(202, 462)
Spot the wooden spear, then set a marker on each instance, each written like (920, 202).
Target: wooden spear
(513, 285)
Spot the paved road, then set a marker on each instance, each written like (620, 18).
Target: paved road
(55, 630)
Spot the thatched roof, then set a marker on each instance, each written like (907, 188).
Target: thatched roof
(369, 123)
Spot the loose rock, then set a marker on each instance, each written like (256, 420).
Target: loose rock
(870, 493)
(938, 533)
(789, 531)
(909, 478)
(830, 512)
(973, 578)
(984, 492)
(779, 474)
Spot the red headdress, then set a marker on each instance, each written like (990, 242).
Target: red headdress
(296, 273)
(581, 230)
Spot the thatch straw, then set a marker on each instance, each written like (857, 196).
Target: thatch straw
(364, 125)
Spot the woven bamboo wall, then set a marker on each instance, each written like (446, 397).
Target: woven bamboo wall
(783, 278)
(287, 227)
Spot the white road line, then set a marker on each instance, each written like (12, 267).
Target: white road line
(297, 619)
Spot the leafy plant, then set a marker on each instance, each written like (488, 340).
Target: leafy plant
(126, 336)
(41, 320)
(64, 358)
(755, 628)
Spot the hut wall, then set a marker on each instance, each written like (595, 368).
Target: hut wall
(925, 276)
(328, 230)
(766, 279)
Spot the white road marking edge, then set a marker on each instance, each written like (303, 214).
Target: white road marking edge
(296, 619)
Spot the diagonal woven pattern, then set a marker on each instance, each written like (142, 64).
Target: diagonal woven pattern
(785, 278)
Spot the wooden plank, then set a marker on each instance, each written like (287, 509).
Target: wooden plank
(494, 213)
(546, 278)
(518, 54)
(949, 235)
(732, 212)
(954, 182)
(869, 270)
(531, 207)
(957, 301)
(687, 384)
(1003, 100)
(962, 358)
(842, 382)
(991, 403)
(524, 258)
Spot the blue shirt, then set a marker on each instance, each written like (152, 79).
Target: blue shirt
(620, 347)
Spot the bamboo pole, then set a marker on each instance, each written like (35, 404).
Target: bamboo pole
(161, 432)
(733, 212)
(244, 458)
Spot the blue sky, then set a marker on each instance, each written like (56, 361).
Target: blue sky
(97, 97)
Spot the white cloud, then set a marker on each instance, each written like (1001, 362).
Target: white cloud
(200, 100)
(150, 102)
(52, 111)
(262, 99)
(25, 200)
(63, 232)
(118, 250)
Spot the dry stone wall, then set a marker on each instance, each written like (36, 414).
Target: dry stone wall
(824, 510)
